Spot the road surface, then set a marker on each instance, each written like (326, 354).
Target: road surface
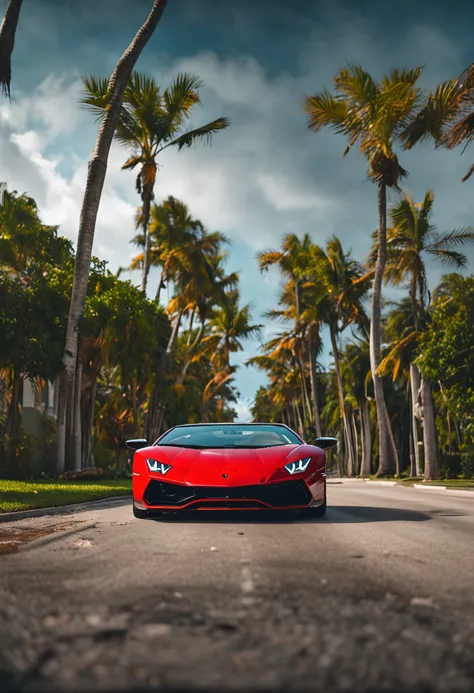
(377, 597)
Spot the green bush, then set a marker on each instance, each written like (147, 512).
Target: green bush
(467, 464)
(451, 465)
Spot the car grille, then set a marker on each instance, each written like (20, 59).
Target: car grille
(277, 495)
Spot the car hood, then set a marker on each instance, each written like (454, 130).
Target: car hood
(222, 467)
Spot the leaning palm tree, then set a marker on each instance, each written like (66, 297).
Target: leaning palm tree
(410, 239)
(116, 87)
(7, 43)
(151, 121)
(375, 116)
(447, 116)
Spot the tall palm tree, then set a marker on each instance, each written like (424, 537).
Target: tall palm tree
(7, 43)
(116, 87)
(411, 237)
(447, 116)
(338, 286)
(151, 121)
(291, 261)
(374, 116)
(401, 336)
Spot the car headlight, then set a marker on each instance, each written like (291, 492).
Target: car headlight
(155, 466)
(299, 466)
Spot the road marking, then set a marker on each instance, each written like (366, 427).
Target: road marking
(246, 583)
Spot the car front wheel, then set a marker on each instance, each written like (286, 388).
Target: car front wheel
(139, 514)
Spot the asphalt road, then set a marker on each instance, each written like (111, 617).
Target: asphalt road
(378, 596)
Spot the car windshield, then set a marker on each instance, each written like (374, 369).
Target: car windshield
(229, 436)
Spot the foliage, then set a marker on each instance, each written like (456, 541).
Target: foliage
(447, 349)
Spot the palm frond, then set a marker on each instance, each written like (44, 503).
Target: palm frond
(468, 174)
(324, 110)
(461, 133)
(182, 95)
(452, 239)
(450, 257)
(356, 85)
(440, 108)
(203, 133)
(95, 94)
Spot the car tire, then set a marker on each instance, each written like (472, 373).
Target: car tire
(139, 514)
(318, 511)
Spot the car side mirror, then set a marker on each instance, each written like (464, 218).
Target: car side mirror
(137, 444)
(325, 443)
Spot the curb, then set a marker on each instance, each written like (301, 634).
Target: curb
(430, 487)
(426, 487)
(55, 536)
(61, 509)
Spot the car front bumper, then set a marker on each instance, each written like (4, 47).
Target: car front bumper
(283, 495)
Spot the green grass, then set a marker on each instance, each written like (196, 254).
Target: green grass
(24, 495)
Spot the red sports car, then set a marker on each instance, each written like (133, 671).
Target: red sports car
(229, 467)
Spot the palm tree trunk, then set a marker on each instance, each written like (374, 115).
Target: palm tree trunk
(133, 393)
(314, 382)
(146, 200)
(356, 443)
(160, 285)
(156, 407)
(88, 423)
(12, 427)
(304, 392)
(76, 428)
(90, 206)
(414, 388)
(387, 451)
(431, 471)
(366, 442)
(7, 43)
(347, 429)
(190, 329)
(300, 421)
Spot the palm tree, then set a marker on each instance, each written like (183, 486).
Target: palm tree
(338, 287)
(447, 116)
(356, 369)
(411, 237)
(401, 336)
(95, 181)
(229, 324)
(7, 43)
(291, 261)
(171, 226)
(151, 121)
(375, 116)
(285, 383)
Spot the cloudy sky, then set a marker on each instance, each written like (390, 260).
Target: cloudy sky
(266, 175)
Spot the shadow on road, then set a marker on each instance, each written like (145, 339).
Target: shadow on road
(343, 514)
